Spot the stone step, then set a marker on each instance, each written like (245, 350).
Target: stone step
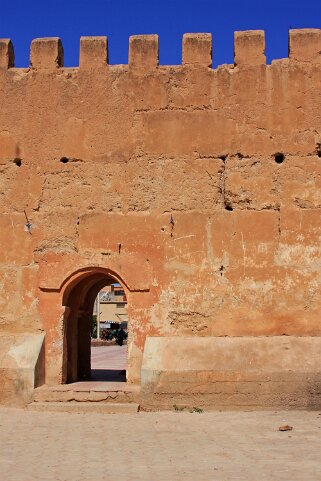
(87, 392)
(84, 407)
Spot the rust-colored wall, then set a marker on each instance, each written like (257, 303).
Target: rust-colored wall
(145, 142)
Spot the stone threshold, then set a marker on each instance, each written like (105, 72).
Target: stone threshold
(95, 386)
(84, 407)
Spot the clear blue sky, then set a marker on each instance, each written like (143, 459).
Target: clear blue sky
(23, 20)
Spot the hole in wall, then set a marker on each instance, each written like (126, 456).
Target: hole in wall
(228, 207)
(318, 149)
(64, 160)
(222, 269)
(279, 157)
(239, 155)
(17, 162)
(223, 157)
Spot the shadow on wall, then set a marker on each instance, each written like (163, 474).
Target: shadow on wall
(22, 367)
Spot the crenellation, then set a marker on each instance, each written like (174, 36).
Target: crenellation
(6, 53)
(143, 53)
(197, 49)
(46, 53)
(305, 45)
(93, 52)
(249, 48)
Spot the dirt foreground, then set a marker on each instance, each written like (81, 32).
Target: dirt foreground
(174, 446)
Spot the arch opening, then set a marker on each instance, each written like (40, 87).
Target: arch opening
(95, 328)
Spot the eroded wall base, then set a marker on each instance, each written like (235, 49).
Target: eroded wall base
(21, 367)
(232, 372)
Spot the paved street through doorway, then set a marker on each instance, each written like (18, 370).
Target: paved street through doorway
(108, 363)
(109, 357)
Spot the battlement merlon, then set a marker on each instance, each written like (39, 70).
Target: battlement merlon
(143, 53)
(249, 50)
(305, 45)
(197, 49)
(6, 53)
(46, 53)
(93, 52)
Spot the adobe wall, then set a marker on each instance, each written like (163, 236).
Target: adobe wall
(109, 153)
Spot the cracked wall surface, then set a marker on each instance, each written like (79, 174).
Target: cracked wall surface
(101, 156)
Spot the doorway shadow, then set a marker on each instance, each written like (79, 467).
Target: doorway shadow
(110, 375)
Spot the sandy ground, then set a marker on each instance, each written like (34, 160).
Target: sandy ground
(163, 446)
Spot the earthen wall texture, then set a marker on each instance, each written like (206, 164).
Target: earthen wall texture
(100, 158)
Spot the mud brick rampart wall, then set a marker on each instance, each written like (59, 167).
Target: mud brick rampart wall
(199, 189)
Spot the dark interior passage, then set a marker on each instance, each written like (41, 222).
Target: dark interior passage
(107, 357)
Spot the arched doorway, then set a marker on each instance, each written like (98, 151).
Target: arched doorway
(79, 299)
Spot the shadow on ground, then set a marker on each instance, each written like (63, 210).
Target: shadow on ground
(108, 375)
